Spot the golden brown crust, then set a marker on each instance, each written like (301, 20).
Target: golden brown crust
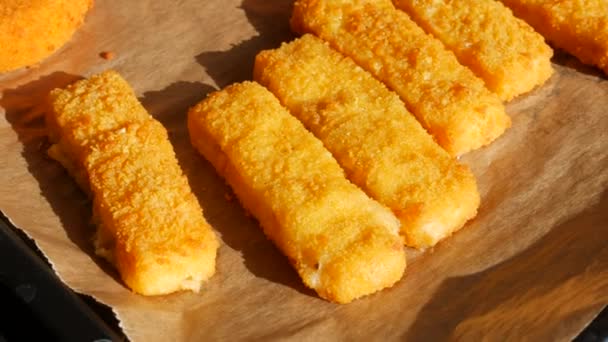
(343, 244)
(448, 100)
(150, 225)
(71, 124)
(503, 50)
(31, 30)
(381, 146)
(577, 26)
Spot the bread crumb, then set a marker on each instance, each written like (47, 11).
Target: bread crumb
(107, 55)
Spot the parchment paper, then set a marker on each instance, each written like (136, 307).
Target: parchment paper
(533, 264)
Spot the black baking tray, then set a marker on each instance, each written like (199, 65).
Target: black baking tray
(36, 305)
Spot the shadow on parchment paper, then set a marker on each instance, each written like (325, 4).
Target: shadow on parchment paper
(271, 20)
(24, 107)
(220, 207)
(465, 307)
(24, 111)
(568, 61)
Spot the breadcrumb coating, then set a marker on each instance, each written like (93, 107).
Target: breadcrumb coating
(149, 224)
(450, 102)
(577, 26)
(31, 30)
(501, 49)
(380, 145)
(343, 244)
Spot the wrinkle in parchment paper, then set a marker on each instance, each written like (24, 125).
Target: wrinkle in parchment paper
(532, 264)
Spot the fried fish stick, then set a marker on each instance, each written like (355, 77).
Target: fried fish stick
(381, 146)
(343, 244)
(577, 26)
(450, 102)
(149, 224)
(501, 49)
(72, 118)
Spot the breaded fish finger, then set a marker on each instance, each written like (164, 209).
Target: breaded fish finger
(577, 26)
(149, 224)
(450, 102)
(501, 49)
(343, 244)
(73, 119)
(381, 146)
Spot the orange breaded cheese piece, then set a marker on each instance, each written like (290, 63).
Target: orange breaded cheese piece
(380, 145)
(31, 30)
(577, 26)
(343, 244)
(501, 49)
(149, 223)
(450, 102)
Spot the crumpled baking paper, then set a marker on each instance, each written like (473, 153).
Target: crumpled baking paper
(533, 264)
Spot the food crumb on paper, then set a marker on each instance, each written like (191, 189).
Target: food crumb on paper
(107, 55)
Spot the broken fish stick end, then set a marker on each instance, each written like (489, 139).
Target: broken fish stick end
(378, 268)
(472, 125)
(431, 222)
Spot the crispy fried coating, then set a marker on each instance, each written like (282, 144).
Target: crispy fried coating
(149, 224)
(448, 100)
(72, 119)
(577, 26)
(343, 244)
(31, 30)
(501, 49)
(381, 146)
